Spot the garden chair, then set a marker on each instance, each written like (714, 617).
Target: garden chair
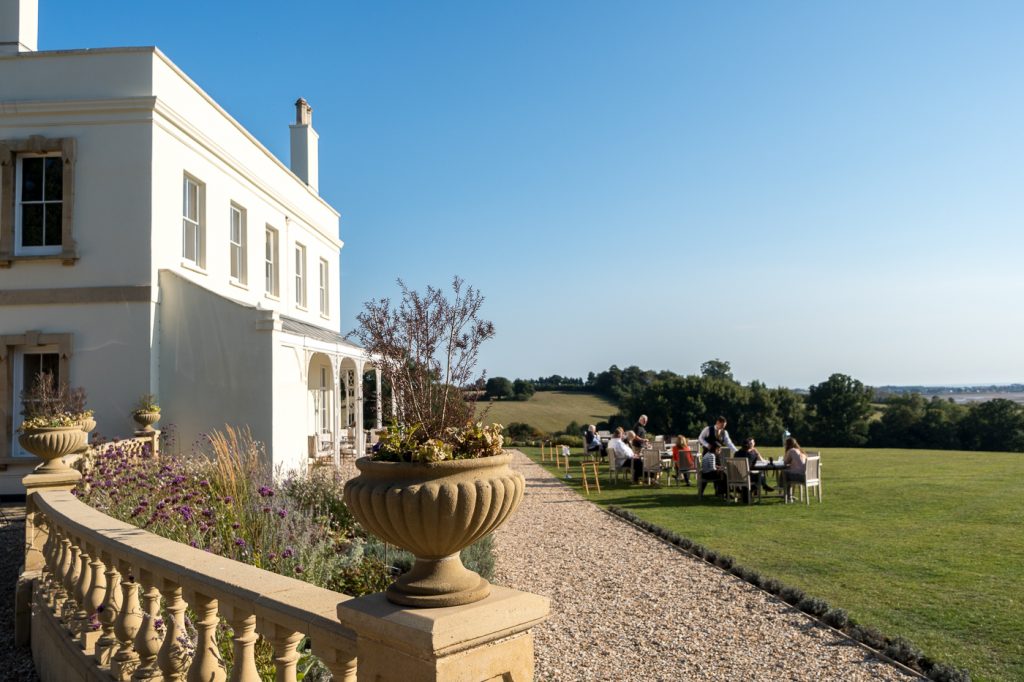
(813, 476)
(652, 464)
(590, 466)
(614, 473)
(737, 472)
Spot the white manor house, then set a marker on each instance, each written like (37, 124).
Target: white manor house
(150, 244)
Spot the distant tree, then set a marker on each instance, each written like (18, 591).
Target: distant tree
(900, 424)
(518, 431)
(716, 369)
(839, 410)
(522, 389)
(940, 426)
(791, 409)
(499, 388)
(994, 425)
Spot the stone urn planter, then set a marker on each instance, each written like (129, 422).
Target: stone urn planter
(88, 425)
(146, 419)
(434, 510)
(52, 444)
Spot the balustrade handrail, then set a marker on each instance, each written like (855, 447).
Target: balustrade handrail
(252, 599)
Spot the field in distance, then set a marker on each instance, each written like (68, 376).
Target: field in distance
(548, 411)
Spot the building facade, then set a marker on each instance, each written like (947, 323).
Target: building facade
(150, 244)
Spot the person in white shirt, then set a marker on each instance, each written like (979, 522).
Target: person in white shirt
(623, 455)
(716, 434)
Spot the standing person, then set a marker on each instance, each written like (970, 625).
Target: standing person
(796, 466)
(682, 458)
(716, 433)
(640, 433)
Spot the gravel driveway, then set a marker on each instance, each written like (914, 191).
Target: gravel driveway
(15, 663)
(627, 607)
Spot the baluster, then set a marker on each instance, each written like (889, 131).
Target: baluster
(243, 625)
(148, 639)
(126, 627)
(61, 562)
(341, 662)
(284, 641)
(207, 665)
(90, 631)
(110, 611)
(70, 581)
(46, 573)
(174, 655)
(80, 619)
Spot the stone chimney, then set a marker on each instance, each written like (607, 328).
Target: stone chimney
(19, 26)
(305, 150)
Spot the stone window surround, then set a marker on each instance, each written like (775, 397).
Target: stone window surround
(36, 144)
(8, 344)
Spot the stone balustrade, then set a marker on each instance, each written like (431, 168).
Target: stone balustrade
(103, 600)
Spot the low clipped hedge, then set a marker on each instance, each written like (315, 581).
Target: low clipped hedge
(896, 648)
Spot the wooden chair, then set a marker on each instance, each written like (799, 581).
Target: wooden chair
(614, 473)
(652, 463)
(737, 472)
(812, 475)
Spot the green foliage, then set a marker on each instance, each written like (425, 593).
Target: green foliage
(499, 388)
(522, 390)
(839, 409)
(518, 432)
(146, 403)
(994, 425)
(411, 444)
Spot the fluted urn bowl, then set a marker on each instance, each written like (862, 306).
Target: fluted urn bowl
(145, 420)
(434, 510)
(52, 444)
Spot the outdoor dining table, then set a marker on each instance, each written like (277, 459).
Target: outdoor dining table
(771, 465)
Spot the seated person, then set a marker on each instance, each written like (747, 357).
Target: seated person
(750, 452)
(682, 458)
(592, 441)
(623, 455)
(796, 466)
(710, 471)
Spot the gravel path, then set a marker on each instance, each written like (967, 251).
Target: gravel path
(15, 663)
(627, 607)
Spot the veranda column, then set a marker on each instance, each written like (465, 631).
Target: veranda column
(360, 437)
(336, 408)
(35, 538)
(380, 399)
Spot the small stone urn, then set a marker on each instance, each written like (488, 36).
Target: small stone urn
(52, 444)
(435, 510)
(145, 419)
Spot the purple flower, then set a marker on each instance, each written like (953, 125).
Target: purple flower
(288, 553)
(272, 556)
(240, 542)
(193, 543)
(265, 491)
(186, 512)
(227, 499)
(298, 569)
(282, 513)
(236, 525)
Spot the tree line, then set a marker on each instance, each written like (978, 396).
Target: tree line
(837, 412)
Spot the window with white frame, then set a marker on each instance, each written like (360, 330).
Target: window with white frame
(324, 289)
(238, 242)
(193, 223)
(300, 275)
(271, 268)
(37, 195)
(39, 204)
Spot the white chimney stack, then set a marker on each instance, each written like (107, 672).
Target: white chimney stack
(19, 26)
(305, 149)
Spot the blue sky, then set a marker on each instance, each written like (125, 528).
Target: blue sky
(799, 188)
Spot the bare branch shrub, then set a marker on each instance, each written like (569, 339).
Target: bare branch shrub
(427, 348)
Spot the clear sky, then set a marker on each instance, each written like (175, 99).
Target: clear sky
(799, 188)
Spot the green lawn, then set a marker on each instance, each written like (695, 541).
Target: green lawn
(927, 545)
(549, 411)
